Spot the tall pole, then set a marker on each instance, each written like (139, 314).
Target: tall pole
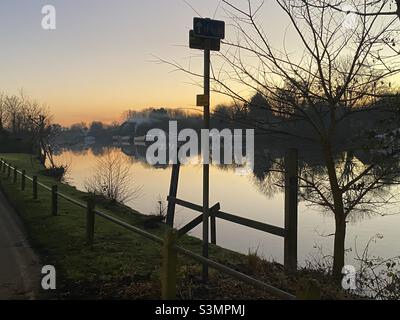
(206, 167)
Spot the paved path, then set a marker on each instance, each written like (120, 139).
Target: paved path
(19, 265)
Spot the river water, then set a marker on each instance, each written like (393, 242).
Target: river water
(240, 195)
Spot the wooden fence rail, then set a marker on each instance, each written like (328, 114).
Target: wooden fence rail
(169, 247)
(289, 232)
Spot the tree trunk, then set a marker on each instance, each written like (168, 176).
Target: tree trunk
(340, 218)
(398, 8)
(339, 246)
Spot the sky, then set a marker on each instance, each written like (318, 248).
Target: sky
(101, 59)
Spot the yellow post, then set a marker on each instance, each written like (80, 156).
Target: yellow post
(308, 289)
(168, 269)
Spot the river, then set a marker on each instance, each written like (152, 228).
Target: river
(241, 195)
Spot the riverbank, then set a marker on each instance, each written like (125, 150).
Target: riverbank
(123, 265)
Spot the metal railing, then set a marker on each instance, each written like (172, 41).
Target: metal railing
(170, 247)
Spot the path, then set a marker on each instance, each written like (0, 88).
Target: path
(19, 265)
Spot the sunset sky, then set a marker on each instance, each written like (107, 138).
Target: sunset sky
(100, 60)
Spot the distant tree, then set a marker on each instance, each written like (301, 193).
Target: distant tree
(259, 109)
(42, 130)
(79, 128)
(96, 128)
(3, 112)
(224, 113)
(12, 106)
(128, 114)
(112, 178)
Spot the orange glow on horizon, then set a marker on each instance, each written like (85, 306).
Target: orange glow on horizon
(68, 116)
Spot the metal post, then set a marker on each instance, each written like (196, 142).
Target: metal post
(34, 187)
(90, 222)
(23, 177)
(173, 190)
(54, 204)
(206, 167)
(291, 208)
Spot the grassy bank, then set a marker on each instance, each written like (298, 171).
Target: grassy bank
(122, 264)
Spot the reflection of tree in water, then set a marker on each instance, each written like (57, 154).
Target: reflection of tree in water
(372, 182)
(365, 174)
(369, 196)
(270, 182)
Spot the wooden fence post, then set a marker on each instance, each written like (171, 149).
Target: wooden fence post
(90, 219)
(23, 177)
(213, 212)
(291, 210)
(15, 175)
(4, 166)
(34, 188)
(168, 271)
(213, 228)
(173, 190)
(308, 289)
(54, 204)
(9, 171)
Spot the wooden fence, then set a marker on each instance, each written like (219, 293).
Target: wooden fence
(289, 232)
(170, 249)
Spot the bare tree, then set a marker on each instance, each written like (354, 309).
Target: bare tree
(112, 178)
(25, 118)
(390, 7)
(3, 111)
(12, 106)
(334, 75)
(339, 73)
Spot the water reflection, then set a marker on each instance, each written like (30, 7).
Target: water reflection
(259, 196)
(375, 187)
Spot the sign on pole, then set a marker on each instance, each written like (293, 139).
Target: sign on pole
(207, 28)
(200, 43)
(202, 100)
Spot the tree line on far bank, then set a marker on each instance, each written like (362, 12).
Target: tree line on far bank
(376, 117)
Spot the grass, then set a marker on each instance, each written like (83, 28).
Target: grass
(116, 254)
(124, 265)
